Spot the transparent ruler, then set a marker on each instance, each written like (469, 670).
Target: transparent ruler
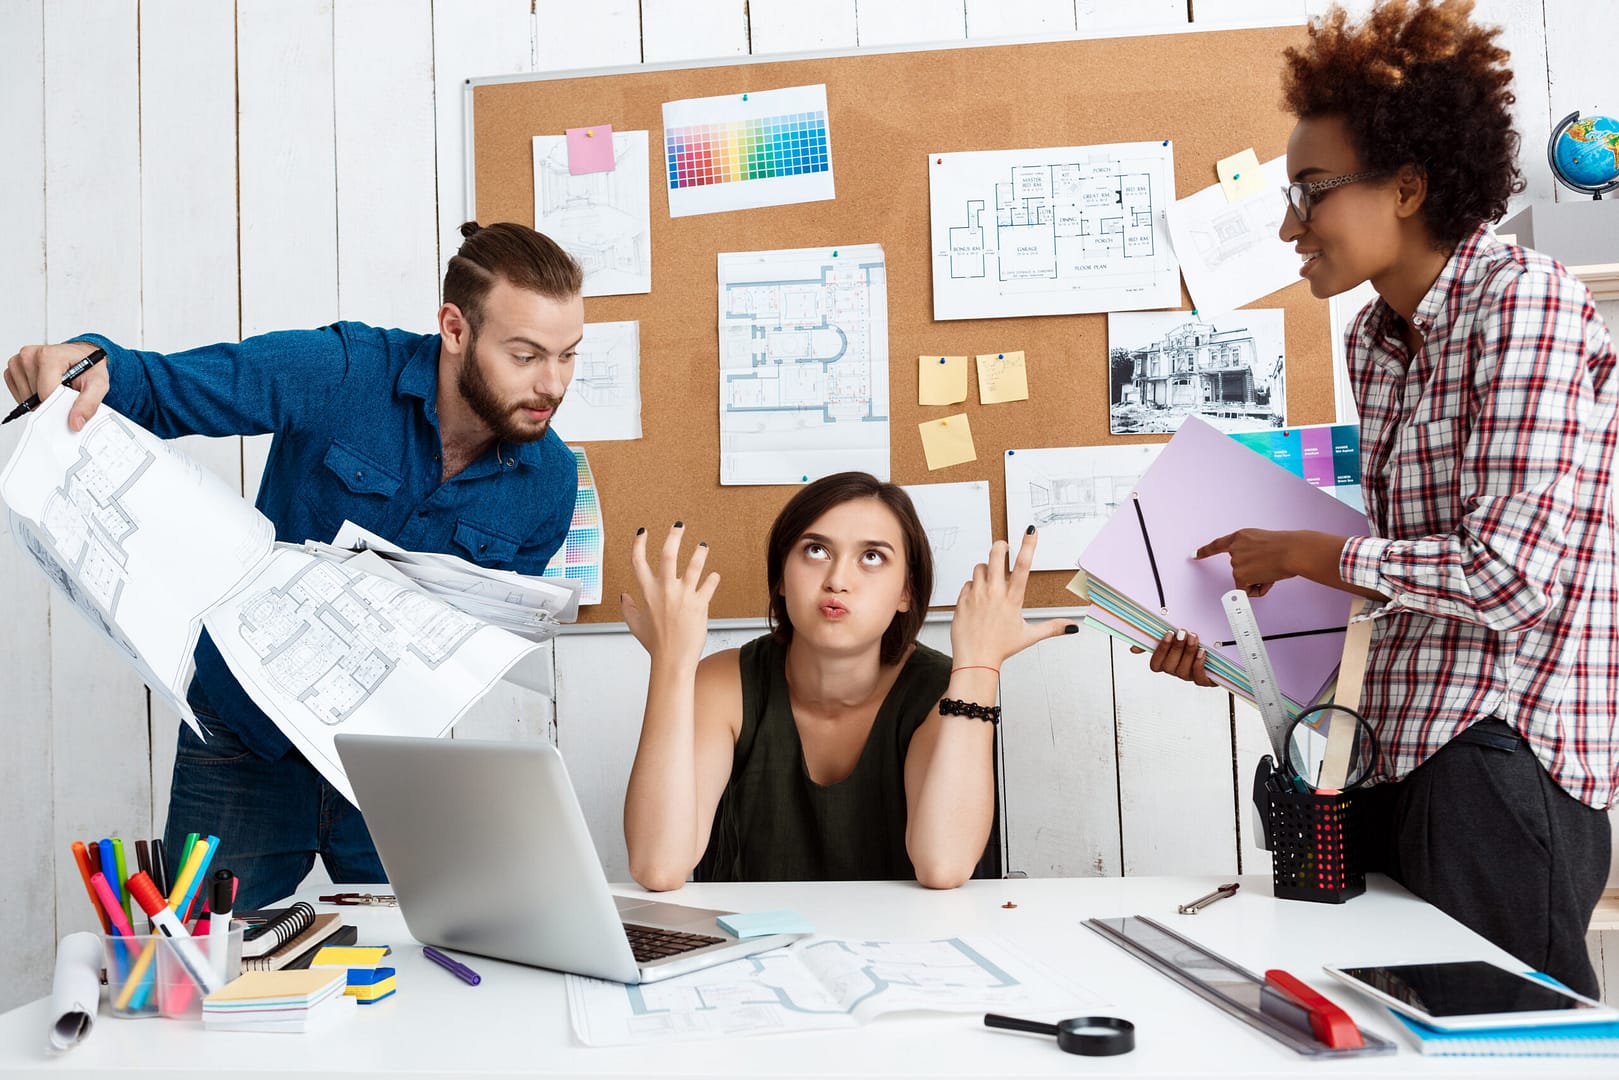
(1256, 665)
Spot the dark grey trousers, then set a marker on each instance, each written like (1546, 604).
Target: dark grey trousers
(1481, 831)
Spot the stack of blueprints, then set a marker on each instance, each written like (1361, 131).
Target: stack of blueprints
(1145, 581)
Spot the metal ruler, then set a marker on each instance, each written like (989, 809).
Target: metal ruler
(1232, 988)
(1256, 665)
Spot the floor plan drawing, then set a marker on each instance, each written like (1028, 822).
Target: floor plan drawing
(822, 984)
(329, 636)
(803, 364)
(1055, 231)
(603, 219)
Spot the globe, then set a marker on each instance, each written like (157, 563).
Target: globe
(1584, 153)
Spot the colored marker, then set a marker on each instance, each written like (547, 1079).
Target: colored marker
(454, 967)
(207, 846)
(82, 857)
(221, 898)
(188, 872)
(160, 872)
(115, 912)
(109, 870)
(185, 948)
(123, 872)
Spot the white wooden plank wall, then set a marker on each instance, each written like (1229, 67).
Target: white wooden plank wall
(186, 171)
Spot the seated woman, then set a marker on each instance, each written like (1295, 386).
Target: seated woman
(822, 750)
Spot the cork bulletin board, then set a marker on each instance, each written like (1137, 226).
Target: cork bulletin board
(1212, 93)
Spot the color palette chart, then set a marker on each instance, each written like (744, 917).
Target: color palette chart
(744, 151)
(580, 557)
(1327, 455)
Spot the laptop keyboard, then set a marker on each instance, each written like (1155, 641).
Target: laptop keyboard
(654, 943)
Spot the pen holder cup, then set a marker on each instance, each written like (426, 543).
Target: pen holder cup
(151, 974)
(1315, 852)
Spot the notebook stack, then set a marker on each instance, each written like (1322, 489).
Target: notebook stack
(299, 1000)
(368, 981)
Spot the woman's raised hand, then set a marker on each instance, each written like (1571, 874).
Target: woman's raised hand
(671, 620)
(988, 625)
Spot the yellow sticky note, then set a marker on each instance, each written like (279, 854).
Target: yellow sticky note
(1002, 377)
(941, 380)
(1240, 176)
(948, 441)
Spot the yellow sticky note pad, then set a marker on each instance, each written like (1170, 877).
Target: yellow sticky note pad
(1240, 176)
(948, 441)
(1002, 377)
(941, 380)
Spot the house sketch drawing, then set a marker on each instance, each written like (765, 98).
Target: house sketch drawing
(1165, 366)
(604, 399)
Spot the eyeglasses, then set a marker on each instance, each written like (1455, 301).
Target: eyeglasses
(1303, 194)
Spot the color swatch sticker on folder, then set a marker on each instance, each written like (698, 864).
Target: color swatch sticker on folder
(747, 150)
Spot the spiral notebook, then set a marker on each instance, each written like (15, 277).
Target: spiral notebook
(1600, 1039)
(286, 935)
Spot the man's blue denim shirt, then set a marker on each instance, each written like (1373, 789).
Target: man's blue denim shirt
(354, 413)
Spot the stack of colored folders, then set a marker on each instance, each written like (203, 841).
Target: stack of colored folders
(289, 1000)
(367, 982)
(1144, 581)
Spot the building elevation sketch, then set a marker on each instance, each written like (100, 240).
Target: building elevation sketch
(803, 364)
(1055, 231)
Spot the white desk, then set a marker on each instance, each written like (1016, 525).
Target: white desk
(517, 1021)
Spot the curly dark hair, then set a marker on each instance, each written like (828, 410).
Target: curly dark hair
(1417, 83)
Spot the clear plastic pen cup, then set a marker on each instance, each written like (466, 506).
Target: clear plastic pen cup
(154, 975)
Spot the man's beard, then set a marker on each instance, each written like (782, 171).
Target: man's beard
(501, 417)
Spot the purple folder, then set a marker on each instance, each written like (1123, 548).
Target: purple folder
(1203, 486)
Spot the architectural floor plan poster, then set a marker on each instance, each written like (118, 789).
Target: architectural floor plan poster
(604, 399)
(803, 364)
(742, 151)
(956, 519)
(601, 218)
(1056, 231)
(814, 986)
(1069, 493)
(110, 515)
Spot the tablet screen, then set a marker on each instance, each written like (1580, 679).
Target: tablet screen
(1463, 988)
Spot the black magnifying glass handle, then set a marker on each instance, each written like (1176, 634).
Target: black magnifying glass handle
(1012, 1023)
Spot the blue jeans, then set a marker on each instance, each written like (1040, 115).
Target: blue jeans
(271, 817)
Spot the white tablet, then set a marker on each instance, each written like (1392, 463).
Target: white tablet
(1471, 994)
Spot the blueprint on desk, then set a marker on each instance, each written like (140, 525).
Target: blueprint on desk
(1053, 231)
(823, 984)
(803, 364)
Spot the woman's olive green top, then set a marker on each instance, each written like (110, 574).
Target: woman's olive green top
(774, 823)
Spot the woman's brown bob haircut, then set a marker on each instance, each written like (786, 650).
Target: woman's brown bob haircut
(806, 507)
(523, 257)
(1418, 83)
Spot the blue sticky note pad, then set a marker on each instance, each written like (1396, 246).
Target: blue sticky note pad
(752, 924)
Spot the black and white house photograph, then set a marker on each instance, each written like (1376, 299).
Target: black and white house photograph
(1166, 365)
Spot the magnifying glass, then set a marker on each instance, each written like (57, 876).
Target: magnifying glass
(1310, 747)
(1093, 1036)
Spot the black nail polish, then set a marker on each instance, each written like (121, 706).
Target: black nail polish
(680, 524)
(641, 531)
(1029, 531)
(702, 543)
(1071, 628)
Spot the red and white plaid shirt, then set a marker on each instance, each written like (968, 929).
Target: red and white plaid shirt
(1486, 461)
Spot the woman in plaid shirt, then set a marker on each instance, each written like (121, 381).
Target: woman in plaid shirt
(1484, 379)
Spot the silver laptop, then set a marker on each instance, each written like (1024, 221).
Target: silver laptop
(486, 847)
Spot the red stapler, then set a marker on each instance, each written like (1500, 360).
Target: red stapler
(1289, 999)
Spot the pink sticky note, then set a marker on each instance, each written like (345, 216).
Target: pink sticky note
(590, 149)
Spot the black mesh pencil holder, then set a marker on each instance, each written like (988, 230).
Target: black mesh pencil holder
(1315, 850)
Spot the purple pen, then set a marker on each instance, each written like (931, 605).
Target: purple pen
(454, 967)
